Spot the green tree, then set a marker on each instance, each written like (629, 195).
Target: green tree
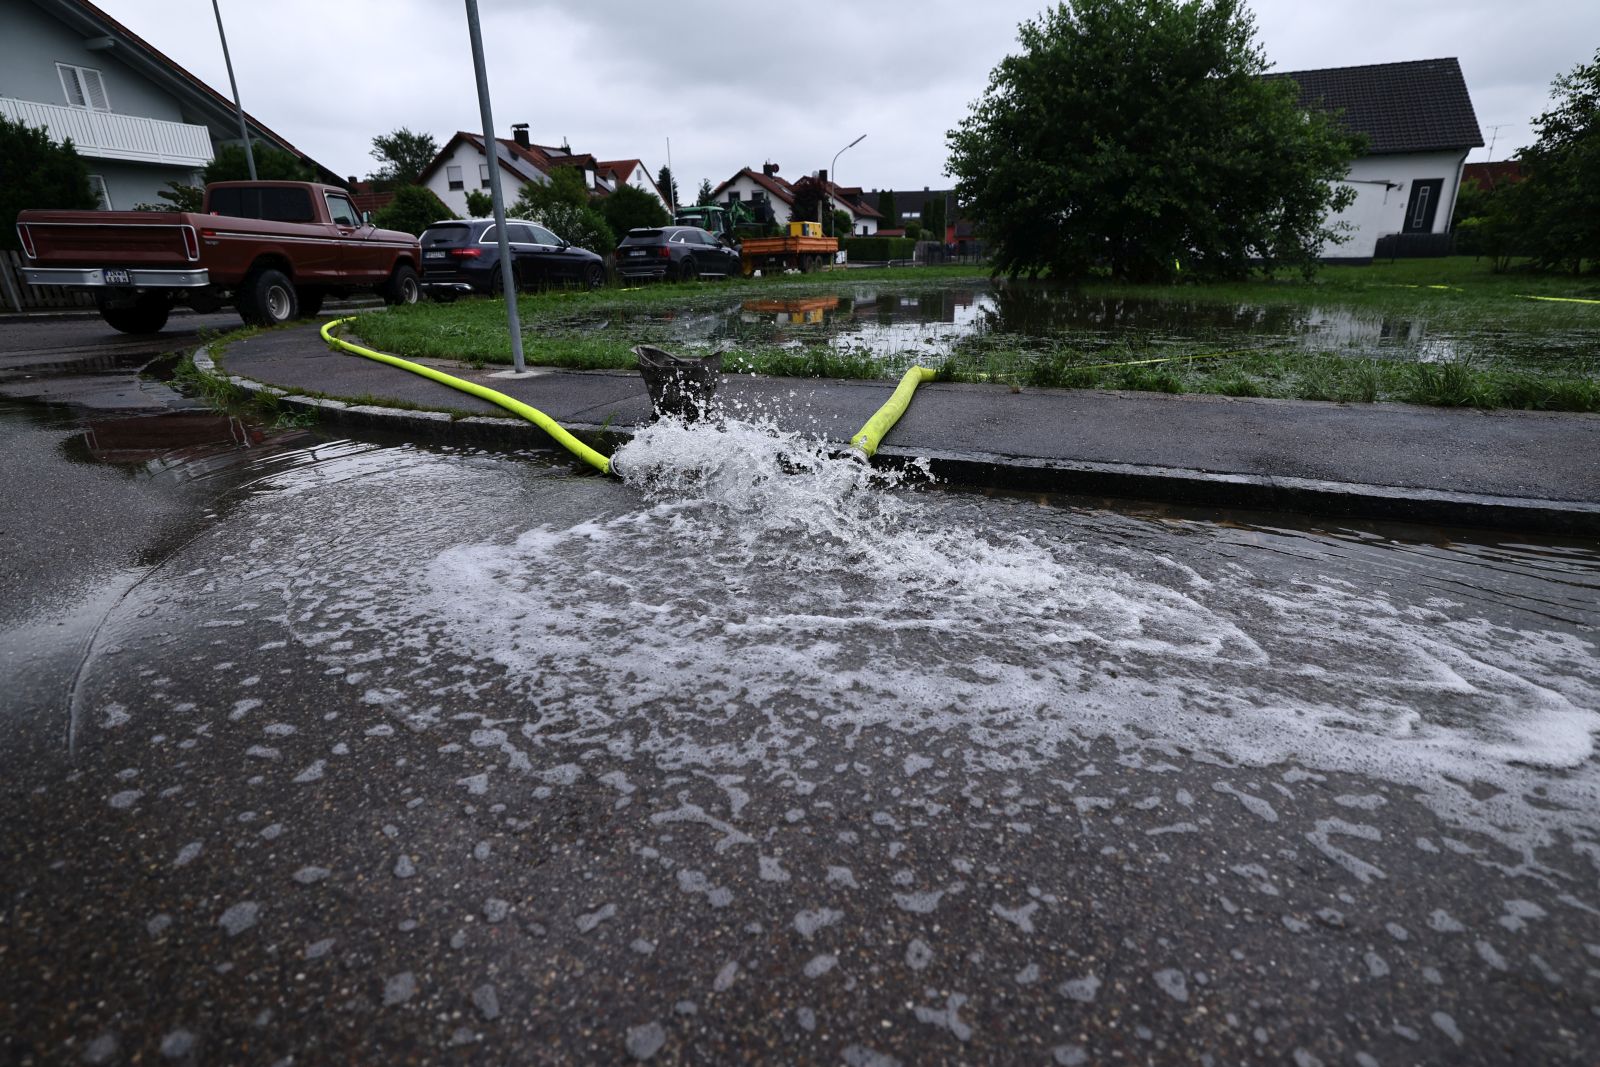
(480, 205)
(933, 218)
(629, 208)
(413, 209)
(706, 192)
(839, 223)
(272, 164)
(36, 172)
(566, 186)
(1135, 134)
(403, 156)
(1558, 203)
(669, 187)
(886, 208)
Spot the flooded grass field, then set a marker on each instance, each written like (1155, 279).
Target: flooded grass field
(1357, 338)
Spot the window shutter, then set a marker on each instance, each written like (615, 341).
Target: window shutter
(94, 89)
(70, 85)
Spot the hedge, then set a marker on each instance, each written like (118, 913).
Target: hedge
(878, 249)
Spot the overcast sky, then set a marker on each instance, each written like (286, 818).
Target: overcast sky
(738, 84)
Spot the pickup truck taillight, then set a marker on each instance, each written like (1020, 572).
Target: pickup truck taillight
(191, 243)
(470, 252)
(27, 241)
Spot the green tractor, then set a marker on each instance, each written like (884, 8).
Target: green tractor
(728, 221)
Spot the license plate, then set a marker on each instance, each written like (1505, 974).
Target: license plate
(116, 277)
(434, 255)
(637, 252)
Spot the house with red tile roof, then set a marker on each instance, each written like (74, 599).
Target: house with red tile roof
(770, 197)
(462, 165)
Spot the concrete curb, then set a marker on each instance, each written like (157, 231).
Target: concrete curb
(1195, 488)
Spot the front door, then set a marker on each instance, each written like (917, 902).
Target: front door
(1423, 206)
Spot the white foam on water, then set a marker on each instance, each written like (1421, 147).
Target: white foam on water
(753, 591)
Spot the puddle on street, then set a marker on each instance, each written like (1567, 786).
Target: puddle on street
(753, 749)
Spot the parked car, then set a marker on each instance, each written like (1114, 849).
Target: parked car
(679, 253)
(273, 249)
(463, 256)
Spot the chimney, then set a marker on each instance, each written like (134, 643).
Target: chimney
(351, 180)
(822, 176)
(770, 170)
(519, 133)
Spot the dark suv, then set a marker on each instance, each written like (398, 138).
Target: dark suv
(461, 257)
(680, 253)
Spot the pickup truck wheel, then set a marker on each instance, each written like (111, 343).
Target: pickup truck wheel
(402, 286)
(147, 315)
(310, 301)
(267, 298)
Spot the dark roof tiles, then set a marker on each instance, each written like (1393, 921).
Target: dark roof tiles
(1417, 106)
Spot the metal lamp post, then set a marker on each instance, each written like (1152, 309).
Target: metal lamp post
(832, 177)
(244, 132)
(491, 149)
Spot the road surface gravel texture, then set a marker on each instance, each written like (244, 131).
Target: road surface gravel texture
(349, 750)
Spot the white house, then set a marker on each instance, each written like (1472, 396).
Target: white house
(138, 119)
(462, 166)
(770, 197)
(1419, 124)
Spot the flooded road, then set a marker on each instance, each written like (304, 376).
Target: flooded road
(323, 750)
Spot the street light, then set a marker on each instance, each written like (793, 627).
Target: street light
(832, 177)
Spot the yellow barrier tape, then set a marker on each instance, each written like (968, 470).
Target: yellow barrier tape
(532, 414)
(871, 435)
(1560, 299)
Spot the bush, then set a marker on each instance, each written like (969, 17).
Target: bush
(878, 249)
(35, 172)
(412, 210)
(480, 205)
(178, 197)
(630, 209)
(272, 165)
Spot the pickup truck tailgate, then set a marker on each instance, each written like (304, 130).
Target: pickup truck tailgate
(159, 239)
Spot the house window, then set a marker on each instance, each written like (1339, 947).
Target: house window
(83, 86)
(98, 184)
(453, 176)
(483, 175)
(733, 196)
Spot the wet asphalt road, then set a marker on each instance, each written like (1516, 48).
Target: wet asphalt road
(225, 841)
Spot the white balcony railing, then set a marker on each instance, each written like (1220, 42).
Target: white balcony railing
(108, 135)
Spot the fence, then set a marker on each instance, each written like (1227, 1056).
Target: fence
(18, 295)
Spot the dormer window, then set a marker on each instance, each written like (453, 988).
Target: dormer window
(84, 87)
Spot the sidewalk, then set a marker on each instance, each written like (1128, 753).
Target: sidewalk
(1531, 471)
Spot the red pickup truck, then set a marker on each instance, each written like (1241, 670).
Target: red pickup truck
(273, 249)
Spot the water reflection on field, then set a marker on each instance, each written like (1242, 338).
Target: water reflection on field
(902, 324)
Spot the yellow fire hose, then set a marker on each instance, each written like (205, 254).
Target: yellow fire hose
(532, 414)
(870, 436)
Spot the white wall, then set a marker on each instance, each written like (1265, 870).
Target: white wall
(467, 157)
(745, 186)
(1383, 190)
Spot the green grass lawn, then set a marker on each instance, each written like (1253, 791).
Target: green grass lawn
(594, 330)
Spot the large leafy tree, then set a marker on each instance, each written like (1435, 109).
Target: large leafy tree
(1139, 135)
(402, 155)
(1558, 205)
(272, 164)
(706, 192)
(562, 205)
(36, 172)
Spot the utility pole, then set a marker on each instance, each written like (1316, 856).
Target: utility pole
(491, 149)
(244, 131)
